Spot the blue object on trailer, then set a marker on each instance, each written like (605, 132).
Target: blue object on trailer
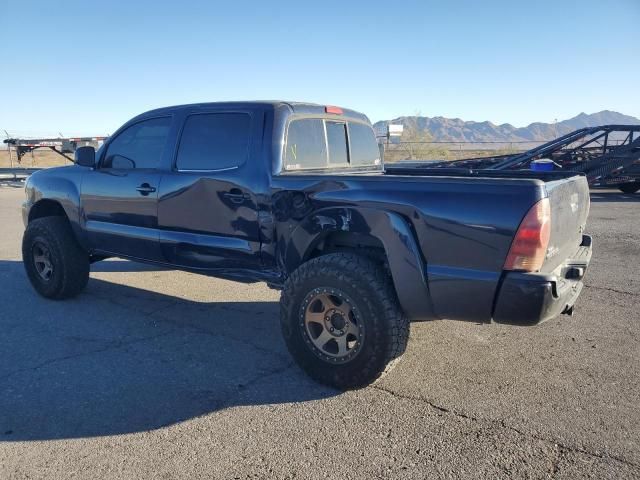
(542, 165)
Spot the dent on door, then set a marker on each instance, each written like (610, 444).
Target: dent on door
(207, 223)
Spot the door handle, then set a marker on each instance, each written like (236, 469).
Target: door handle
(146, 189)
(236, 195)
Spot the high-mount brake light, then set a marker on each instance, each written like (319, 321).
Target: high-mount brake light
(529, 246)
(335, 110)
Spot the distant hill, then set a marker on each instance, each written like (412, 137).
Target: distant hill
(457, 130)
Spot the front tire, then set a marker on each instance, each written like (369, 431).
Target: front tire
(341, 320)
(56, 265)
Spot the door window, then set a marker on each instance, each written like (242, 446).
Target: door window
(139, 146)
(214, 141)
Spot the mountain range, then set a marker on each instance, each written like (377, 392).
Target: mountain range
(456, 130)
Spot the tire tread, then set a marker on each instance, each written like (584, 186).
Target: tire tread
(358, 271)
(74, 260)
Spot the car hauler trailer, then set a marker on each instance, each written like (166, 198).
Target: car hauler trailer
(608, 155)
(60, 145)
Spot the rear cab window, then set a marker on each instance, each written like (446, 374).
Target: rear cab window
(328, 143)
(338, 149)
(306, 146)
(364, 147)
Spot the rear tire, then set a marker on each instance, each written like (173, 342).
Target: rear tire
(317, 295)
(630, 187)
(56, 265)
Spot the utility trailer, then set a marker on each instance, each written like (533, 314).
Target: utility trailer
(60, 145)
(608, 155)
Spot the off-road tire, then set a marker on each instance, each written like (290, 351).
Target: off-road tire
(70, 263)
(630, 187)
(386, 326)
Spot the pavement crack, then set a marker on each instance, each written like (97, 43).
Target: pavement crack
(264, 376)
(615, 290)
(158, 315)
(111, 346)
(558, 454)
(501, 423)
(160, 309)
(416, 398)
(258, 348)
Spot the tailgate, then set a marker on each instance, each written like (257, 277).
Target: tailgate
(569, 201)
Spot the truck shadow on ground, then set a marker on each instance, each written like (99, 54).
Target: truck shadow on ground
(120, 359)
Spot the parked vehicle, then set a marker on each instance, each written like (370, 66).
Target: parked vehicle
(296, 195)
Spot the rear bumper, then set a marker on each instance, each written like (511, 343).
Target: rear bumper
(532, 298)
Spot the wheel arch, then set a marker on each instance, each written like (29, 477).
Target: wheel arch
(46, 207)
(381, 234)
(331, 241)
(50, 193)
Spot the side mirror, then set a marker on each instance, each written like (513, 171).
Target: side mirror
(86, 156)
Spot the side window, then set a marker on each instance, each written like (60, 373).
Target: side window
(364, 147)
(337, 140)
(139, 146)
(306, 146)
(212, 141)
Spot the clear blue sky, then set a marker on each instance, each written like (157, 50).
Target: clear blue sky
(84, 67)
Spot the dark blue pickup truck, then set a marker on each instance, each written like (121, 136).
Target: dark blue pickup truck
(297, 195)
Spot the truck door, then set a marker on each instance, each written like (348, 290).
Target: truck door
(119, 197)
(208, 208)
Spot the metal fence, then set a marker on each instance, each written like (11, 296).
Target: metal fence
(439, 150)
(397, 151)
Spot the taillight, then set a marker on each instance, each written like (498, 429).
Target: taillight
(529, 246)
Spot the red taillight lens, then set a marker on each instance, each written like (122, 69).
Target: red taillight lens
(529, 247)
(335, 110)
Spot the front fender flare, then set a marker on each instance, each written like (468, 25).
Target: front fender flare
(64, 190)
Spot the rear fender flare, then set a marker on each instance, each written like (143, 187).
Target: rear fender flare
(393, 232)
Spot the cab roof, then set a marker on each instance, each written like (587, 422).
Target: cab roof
(303, 108)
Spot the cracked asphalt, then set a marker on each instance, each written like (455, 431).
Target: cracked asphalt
(158, 374)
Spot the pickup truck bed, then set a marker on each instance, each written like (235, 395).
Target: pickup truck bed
(463, 226)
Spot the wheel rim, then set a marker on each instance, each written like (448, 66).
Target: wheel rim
(42, 261)
(332, 325)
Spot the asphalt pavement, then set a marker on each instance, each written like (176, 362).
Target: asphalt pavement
(152, 373)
